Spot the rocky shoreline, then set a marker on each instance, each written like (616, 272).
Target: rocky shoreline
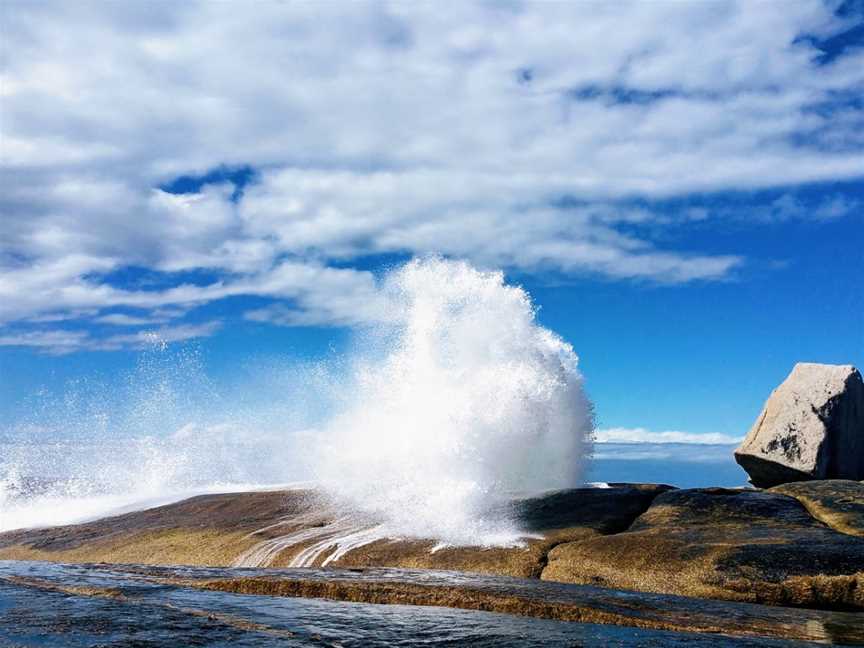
(787, 545)
(799, 544)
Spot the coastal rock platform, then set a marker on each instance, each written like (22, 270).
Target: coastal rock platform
(732, 544)
(795, 545)
(273, 528)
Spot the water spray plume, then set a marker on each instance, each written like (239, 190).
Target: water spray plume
(460, 401)
(454, 401)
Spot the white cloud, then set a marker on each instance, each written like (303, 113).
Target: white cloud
(641, 435)
(346, 294)
(122, 319)
(394, 128)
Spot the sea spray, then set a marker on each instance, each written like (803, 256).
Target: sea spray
(159, 432)
(460, 401)
(455, 399)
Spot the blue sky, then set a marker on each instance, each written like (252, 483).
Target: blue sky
(678, 186)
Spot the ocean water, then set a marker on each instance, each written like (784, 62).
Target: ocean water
(684, 465)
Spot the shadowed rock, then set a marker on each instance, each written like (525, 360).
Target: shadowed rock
(812, 427)
(731, 544)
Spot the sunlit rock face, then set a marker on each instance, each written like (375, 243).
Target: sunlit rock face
(797, 547)
(812, 427)
(309, 528)
(839, 503)
(734, 544)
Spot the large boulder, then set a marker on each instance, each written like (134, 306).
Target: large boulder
(812, 427)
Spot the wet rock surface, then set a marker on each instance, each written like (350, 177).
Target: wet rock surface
(202, 530)
(742, 545)
(216, 529)
(838, 503)
(797, 545)
(75, 605)
(557, 517)
(812, 427)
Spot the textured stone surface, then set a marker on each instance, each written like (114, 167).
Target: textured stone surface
(839, 503)
(203, 530)
(213, 530)
(556, 517)
(742, 545)
(812, 427)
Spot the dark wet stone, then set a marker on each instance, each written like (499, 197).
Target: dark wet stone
(606, 510)
(241, 607)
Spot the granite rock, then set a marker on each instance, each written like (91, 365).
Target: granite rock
(812, 427)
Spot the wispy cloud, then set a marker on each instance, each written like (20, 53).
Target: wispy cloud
(121, 319)
(56, 342)
(160, 337)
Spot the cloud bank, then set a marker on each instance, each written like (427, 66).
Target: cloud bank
(641, 435)
(531, 137)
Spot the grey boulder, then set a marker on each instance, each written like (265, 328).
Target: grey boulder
(812, 427)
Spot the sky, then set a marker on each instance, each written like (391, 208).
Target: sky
(677, 184)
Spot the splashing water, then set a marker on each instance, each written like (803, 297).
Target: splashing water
(154, 435)
(457, 401)
(467, 400)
